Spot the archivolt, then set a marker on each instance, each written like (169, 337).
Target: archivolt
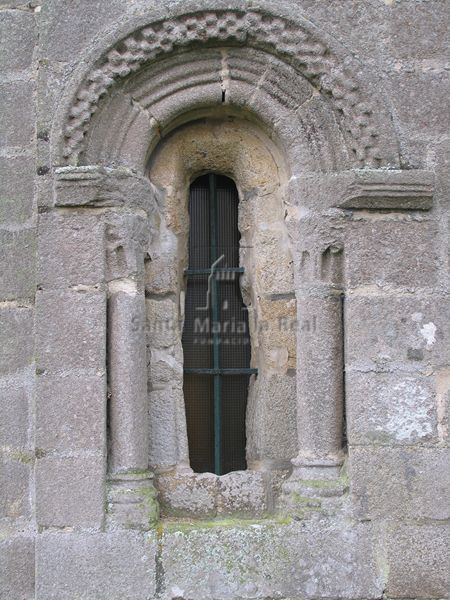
(365, 122)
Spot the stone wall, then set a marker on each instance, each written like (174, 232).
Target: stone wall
(354, 98)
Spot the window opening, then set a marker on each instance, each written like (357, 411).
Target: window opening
(216, 339)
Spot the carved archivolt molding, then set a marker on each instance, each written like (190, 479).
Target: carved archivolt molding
(295, 43)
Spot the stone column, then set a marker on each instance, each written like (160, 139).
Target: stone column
(320, 381)
(318, 256)
(317, 209)
(124, 205)
(127, 376)
(320, 374)
(131, 495)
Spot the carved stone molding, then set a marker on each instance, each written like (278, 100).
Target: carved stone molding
(295, 43)
(132, 502)
(103, 187)
(390, 190)
(362, 189)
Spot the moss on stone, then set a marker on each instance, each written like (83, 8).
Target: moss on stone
(138, 472)
(149, 505)
(305, 500)
(228, 523)
(23, 456)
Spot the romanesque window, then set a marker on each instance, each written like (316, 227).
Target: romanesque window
(216, 339)
(194, 455)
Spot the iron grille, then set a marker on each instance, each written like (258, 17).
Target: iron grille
(216, 339)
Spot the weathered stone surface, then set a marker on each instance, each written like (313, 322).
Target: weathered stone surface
(127, 236)
(18, 36)
(17, 124)
(364, 189)
(388, 332)
(61, 42)
(165, 366)
(163, 426)
(415, 29)
(15, 472)
(161, 274)
(276, 329)
(164, 325)
(16, 3)
(417, 560)
(15, 413)
(132, 501)
(289, 99)
(402, 483)
(70, 412)
(17, 568)
(386, 252)
(71, 330)
(273, 263)
(391, 409)
(442, 379)
(412, 81)
(242, 493)
(71, 251)
(127, 360)
(271, 419)
(188, 494)
(16, 347)
(264, 560)
(17, 264)
(97, 186)
(113, 565)
(320, 378)
(205, 495)
(392, 190)
(16, 189)
(70, 492)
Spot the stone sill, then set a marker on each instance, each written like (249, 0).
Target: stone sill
(208, 496)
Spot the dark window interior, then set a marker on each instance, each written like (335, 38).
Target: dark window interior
(216, 340)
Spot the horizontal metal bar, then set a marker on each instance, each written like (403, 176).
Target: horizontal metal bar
(213, 270)
(221, 371)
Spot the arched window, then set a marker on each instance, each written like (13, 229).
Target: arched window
(209, 421)
(216, 339)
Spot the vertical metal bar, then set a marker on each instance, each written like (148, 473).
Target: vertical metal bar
(213, 216)
(217, 426)
(215, 334)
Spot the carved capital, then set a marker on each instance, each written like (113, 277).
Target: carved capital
(127, 243)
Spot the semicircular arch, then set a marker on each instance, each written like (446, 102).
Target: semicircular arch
(338, 99)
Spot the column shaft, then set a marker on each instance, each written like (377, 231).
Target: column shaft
(320, 379)
(127, 380)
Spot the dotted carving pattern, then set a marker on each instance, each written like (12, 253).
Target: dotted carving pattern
(290, 41)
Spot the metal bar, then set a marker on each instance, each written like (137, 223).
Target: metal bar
(242, 371)
(214, 270)
(215, 319)
(217, 426)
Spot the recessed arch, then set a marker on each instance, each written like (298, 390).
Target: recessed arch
(311, 101)
(333, 75)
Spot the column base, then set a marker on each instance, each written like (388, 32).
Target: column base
(132, 501)
(316, 486)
